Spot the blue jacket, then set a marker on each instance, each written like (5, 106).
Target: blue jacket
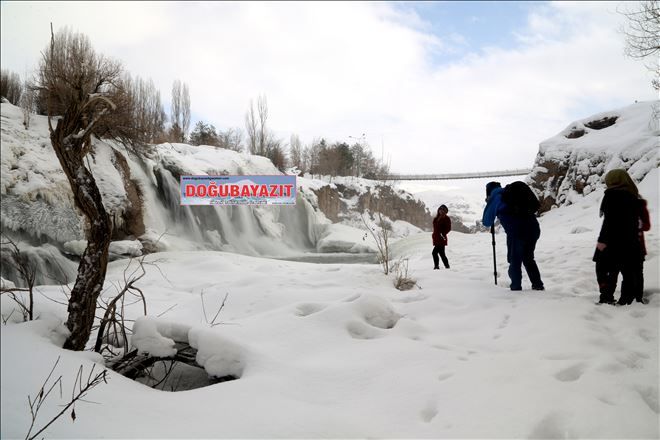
(519, 226)
(493, 205)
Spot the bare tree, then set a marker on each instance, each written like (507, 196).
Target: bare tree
(643, 35)
(313, 156)
(231, 139)
(27, 273)
(146, 109)
(86, 85)
(10, 86)
(112, 326)
(296, 153)
(256, 128)
(275, 152)
(262, 134)
(27, 103)
(185, 112)
(176, 129)
(251, 128)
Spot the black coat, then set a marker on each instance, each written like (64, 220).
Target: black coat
(621, 222)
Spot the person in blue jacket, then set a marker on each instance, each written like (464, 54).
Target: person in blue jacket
(522, 233)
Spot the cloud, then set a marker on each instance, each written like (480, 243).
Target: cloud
(339, 69)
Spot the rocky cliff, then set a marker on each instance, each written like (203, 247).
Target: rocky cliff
(348, 198)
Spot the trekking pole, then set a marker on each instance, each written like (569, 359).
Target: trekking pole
(492, 232)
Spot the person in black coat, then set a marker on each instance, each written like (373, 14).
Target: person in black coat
(441, 227)
(619, 248)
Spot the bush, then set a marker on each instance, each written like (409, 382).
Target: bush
(402, 279)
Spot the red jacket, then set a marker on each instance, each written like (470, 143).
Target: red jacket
(644, 224)
(441, 227)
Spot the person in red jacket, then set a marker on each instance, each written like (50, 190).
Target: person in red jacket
(441, 227)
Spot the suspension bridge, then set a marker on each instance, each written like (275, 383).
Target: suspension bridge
(456, 176)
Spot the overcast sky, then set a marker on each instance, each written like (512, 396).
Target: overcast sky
(436, 86)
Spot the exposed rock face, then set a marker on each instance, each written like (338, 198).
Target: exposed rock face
(132, 224)
(396, 206)
(330, 203)
(339, 202)
(574, 162)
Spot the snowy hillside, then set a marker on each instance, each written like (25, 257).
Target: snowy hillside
(574, 161)
(334, 351)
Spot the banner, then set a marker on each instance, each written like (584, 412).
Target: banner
(238, 190)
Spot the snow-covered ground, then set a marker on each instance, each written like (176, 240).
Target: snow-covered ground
(335, 351)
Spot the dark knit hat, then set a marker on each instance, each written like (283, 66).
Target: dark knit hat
(491, 186)
(444, 208)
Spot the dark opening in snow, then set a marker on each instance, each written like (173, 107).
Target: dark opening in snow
(180, 372)
(172, 375)
(575, 133)
(599, 124)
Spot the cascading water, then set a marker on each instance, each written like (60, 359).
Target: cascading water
(252, 230)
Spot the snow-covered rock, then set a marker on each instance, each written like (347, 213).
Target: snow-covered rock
(574, 162)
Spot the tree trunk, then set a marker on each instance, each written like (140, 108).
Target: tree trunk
(70, 151)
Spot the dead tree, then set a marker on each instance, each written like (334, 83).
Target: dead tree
(642, 34)
(82, 85)
(112, 326)
(27, 272)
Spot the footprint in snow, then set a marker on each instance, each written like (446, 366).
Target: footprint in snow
(505, 322)
(570, 374)
(645, 335)
(444, 376)
(633, 360)
(650, 396)
(429, 413)
(359, 330)
(553, 425)
(412, 298)
(638, 313)
(307, 309)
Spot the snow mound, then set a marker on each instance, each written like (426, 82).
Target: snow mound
(338, 237)
(218, 354)
(156, 337)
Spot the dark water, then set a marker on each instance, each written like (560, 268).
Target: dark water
(333, 258)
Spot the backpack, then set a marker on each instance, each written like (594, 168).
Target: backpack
(520, 200)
